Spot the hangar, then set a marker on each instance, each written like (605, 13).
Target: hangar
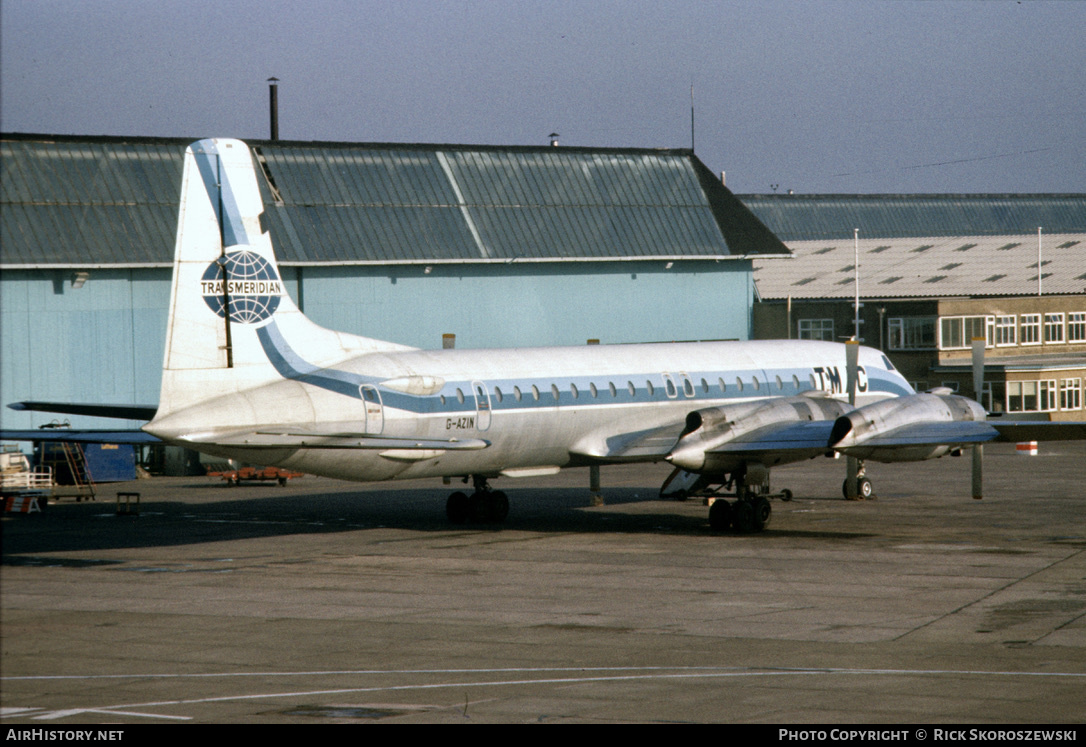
(499, 246)
(936, 271)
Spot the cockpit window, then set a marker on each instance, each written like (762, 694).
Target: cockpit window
(889, 365)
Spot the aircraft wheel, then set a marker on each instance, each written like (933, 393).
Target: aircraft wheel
(761, 511)
(498, 505)
(864, 488)
(720, 515)
(457, 508)
(743, 517)
(786, 495)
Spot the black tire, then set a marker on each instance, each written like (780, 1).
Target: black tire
(498, 503)
(743, 517)
(720, 515)
(786, 495)
(864, 488)
(458, 508)
(762, 512)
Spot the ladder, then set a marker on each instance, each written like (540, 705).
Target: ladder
(82, 483)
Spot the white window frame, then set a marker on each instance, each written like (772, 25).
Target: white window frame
(1070, 394)
(966, 339)
(1042, 391)
(1076, 326)
(1029, 329)
(1006, 331)
(1054, 329)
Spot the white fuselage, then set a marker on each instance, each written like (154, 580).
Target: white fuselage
(537, 408)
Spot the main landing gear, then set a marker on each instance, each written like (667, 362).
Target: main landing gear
(864, 489)
(751, 510)
(484, 506)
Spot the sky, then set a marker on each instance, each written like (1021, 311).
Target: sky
(817, 96)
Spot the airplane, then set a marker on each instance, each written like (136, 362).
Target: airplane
(248, 377)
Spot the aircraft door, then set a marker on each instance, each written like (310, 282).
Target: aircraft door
(375, 413)
(482, 405)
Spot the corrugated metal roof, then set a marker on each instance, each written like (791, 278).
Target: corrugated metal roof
(931, 267)
(107, 201)
(833, 217)
(115, 202)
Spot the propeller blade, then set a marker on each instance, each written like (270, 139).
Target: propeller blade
(852, 468)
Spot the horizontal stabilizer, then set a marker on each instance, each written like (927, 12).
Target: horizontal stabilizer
(123, 412)
(65, 435)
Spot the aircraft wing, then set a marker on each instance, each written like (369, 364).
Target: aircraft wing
(1039, 431)
(935, 433)
(780, 438)
(646, 445)
(789, 439)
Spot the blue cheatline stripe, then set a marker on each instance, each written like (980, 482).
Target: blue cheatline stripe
(210, 167)
(291, 366)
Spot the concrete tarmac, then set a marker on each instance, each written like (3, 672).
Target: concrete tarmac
(324, 602)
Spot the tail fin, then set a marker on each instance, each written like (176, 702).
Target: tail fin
(221, 230)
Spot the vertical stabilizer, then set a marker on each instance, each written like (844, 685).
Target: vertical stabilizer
(230, 314)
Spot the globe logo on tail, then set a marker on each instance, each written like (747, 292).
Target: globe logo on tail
(254, 287)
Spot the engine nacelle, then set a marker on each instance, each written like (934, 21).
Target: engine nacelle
(854, 432)
(716, 426)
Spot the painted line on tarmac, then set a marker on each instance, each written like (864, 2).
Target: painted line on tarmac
(617, 674)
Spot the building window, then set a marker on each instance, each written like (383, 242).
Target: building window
(911, 333)
(1071, 394)
(1031, 396)
(1076, 326)
(1030, 329)
(1053, 328)
(816, 329)
(957, 332)
(1005, 331)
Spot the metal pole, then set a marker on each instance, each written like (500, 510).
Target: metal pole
(273, 104)
(856, 239)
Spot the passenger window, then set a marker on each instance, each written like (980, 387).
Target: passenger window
(535, 392)
(459, 396)
(554, 391)
(649, 388)
(670, 386)
(723, 386)
(498, 393)
(595, 392)
(631, 388)
(517, 393)
(573, 391)
(738, 383)
(611, 386)
(780, 384)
